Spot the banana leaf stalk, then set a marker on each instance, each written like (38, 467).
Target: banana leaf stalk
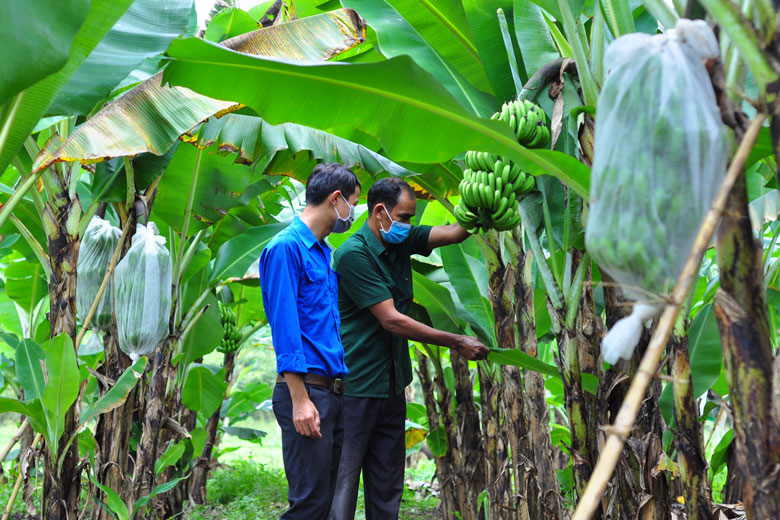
(510, 50)
(589, 88)
(581, 417)
(690, 456)
(178, 268)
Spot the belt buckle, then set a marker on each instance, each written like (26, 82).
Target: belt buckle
(338, 386)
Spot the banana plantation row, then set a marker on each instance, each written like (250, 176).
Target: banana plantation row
(632, 368)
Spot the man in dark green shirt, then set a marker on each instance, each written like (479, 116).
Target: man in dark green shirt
(375, 298)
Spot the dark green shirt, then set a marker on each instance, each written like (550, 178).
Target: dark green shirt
(372, 273)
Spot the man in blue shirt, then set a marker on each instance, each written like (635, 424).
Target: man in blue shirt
(300, 296)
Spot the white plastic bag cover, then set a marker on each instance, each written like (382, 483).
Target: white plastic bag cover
(142, 293)
(97, 247)
(660, 155)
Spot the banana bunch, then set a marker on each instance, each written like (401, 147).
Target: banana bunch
(489, 199)
(492, 186)
(230, 340)
(527, 120)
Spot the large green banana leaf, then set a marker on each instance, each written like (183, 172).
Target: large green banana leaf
(536, 44)
(150, 117)
(145, 30)
(230, 22)
(483, 21)
(221, 181)
(30, 104)
(443, 24)
(412, 116)
(231, 147)
(40, 28)
(251, 137)
(397, 36)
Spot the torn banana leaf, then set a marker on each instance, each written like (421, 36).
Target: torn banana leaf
(150, 117)
(251, 138)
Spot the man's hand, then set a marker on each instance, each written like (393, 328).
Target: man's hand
(306, 418)
(470, 348)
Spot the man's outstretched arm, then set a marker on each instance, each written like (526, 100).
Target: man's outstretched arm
(446, 235)
(406, 327)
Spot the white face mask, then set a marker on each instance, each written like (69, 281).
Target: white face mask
(343, 224)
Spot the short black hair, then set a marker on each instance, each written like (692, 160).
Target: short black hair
(326, 178)
(387, 191)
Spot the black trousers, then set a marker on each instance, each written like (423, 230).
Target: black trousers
(374, 443)
(311, 465)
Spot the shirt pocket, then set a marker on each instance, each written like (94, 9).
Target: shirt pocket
(314, 283)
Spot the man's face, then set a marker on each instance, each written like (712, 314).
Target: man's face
(401, 212)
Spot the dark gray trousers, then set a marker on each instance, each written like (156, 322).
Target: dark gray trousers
(374, 442)
(310, 464)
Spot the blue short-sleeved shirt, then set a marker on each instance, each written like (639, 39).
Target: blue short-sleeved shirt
(300, 296)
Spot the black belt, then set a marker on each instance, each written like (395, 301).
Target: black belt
(336, 386)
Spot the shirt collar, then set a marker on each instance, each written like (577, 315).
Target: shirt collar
(371, 240)
(303, 231)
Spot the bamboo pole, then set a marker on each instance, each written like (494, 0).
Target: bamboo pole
(18, 484)
(624, 422)
(14, 439)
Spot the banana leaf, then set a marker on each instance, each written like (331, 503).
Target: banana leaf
(30, 105)
(482, 18)
(40, 28)
(150, 117)
(413, 117)
(397, 36)
(443, 24)
(536, 44)
(145, 30)
(251, 137)
(230, 22)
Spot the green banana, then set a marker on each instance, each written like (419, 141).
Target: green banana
(529, 184)
(515, 173)
(498, 165)
(502, 205)
(508, 188)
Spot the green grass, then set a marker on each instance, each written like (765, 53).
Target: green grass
(249, 490)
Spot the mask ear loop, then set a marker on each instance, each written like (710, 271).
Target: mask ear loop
(388, 216)
(337, 209)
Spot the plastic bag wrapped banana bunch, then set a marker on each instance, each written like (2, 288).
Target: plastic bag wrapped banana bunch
(232, 336)
(660, 154)
(142, 293)
(97, 247)
(492, 186)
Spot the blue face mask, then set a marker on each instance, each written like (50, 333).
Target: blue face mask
(398, 230)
